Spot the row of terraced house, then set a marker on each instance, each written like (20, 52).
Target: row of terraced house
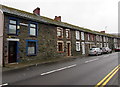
(28, 36)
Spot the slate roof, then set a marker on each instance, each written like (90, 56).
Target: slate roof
(46, 20)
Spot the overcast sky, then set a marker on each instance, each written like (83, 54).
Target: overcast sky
(92, 14)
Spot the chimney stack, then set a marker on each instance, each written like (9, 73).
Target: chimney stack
(57, 18)
(102, 31)
(37, 11)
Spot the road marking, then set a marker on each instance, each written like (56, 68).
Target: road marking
(91, 60)
(4, 84)
(106, 77)
(110, 78)
(106, 56)
(58, 69)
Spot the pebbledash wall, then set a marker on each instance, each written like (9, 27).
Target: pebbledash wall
(29, 36)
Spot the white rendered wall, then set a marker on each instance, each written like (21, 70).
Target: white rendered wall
(1, 42)
(1, 36)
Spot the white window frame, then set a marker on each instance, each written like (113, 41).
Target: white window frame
(104, 39)
(101, 45)
(97, 38)
(82, 36)
(77, 35)
(33, 29)
(88, 37)
(77, 46)
(61, 30)
(105, 45)
(101, 38)
(68, 32)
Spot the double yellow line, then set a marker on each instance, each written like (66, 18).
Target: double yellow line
(107, 78)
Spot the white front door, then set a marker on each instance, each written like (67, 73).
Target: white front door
(83, 48)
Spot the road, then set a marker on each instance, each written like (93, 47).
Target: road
(78, 71)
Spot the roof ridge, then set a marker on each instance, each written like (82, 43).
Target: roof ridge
(49, 20)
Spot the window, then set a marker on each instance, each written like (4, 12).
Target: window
(68, 33)
(60, 47)
(31, 47)
(88, 37)
(101, 38)
(105, 45)
(77, 46)
(104, 39)
(77, 35)
(115, 40)
(82, 36)
(59, 32)
(97, 38)
(92, 37)
(12, 26)
(101, 45)
(33, 29)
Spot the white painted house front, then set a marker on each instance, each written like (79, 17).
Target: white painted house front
(1, 36)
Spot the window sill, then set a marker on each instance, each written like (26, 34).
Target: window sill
(60, 51)
(68, 38)
(33, 35)
(77, 51)
(12, 34)
(31, 54)
(60, 37)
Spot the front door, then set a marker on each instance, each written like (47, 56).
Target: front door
(12, 52)
(68, 49)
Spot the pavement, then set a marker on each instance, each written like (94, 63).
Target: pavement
(76, 71)
(15, 66)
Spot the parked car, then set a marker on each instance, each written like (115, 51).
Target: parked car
(95, 51)
(106, 50)
(117, 49)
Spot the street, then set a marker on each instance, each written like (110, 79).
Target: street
(78, 71)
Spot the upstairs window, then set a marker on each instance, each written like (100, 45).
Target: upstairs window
(59, 32)
(92, 37)
(33, 29)
(88, 36)
(77, 35)
(97, 38)
(101, 38)
(68, 33)
(82, 36)
(104, 39)
(12, 26)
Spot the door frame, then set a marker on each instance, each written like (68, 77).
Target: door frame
(68, 42)
(83, 44)
(17, 48)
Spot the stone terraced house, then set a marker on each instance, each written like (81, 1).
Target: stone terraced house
(28, 36)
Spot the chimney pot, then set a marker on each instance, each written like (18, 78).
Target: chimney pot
(102, 31)
(57, 18)
(37, 11)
